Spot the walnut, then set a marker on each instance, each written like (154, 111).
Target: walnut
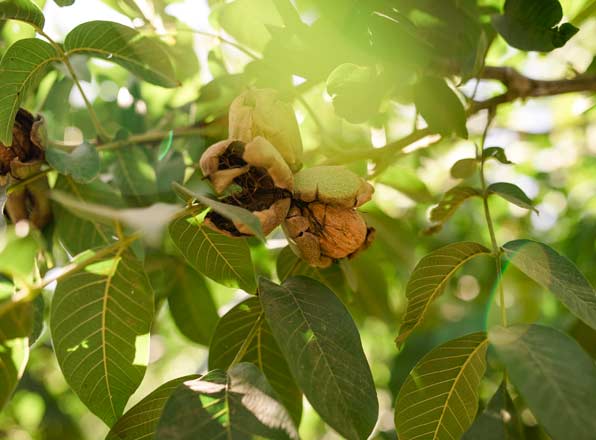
(323, 224)
(261, 112)
(20, 161)
(264, 180)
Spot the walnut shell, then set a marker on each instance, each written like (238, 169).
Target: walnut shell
(320, 233)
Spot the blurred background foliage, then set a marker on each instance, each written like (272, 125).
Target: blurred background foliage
(221, 47)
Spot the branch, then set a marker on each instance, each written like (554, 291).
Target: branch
(520, 86)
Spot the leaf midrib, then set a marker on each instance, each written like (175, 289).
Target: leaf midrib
(231, 266)
(455, 382)
(341, 401)
(439, 287)
(104, 309)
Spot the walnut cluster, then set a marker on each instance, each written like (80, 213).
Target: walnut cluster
(258, 168)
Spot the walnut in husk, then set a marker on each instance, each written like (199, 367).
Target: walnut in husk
(23, 160)
(263, 179)
(261, 112)
(323, 224)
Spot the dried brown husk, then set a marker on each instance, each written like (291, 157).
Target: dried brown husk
(264, 179)
(21, 161)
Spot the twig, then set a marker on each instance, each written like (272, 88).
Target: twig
(31, 292)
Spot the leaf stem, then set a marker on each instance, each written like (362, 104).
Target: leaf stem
(491, 229)
(101, 132)
(244, 348)
(154, 136)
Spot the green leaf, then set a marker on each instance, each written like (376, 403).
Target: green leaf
(223, 259)
(237, 404)
(439, 399)
(234, 213)
(440, 107)
(429, 279)
(497, 153)
(134, 176)
(554, 375)
(512, 193)
(22, 10)
(192, 306)
(289, 264)
(248, 21)
(556, 273)
(151, 221)
(16, 317)
(498, 421)
(22, 67)
(246, 321)
(355, 91)
(450, 202)
(167, 171)
(143, 56)
(140, 422)
(62, 3)
(322, 346)
(18, 248)
(464, 168)
(100, 321)
(406, 181)
(533, 25)
(82, 163)
(13, 359)
(77, 234)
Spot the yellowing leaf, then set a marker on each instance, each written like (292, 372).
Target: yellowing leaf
(439, 399)
(100, 324)
(429, 278)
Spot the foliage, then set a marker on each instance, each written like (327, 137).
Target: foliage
(472, 120)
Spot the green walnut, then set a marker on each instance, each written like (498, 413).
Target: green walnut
(261, 112)
(263, 180)
(323, 225)
(334, 185)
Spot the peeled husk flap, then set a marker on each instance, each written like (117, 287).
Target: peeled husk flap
(261, 112)
(233, 161)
